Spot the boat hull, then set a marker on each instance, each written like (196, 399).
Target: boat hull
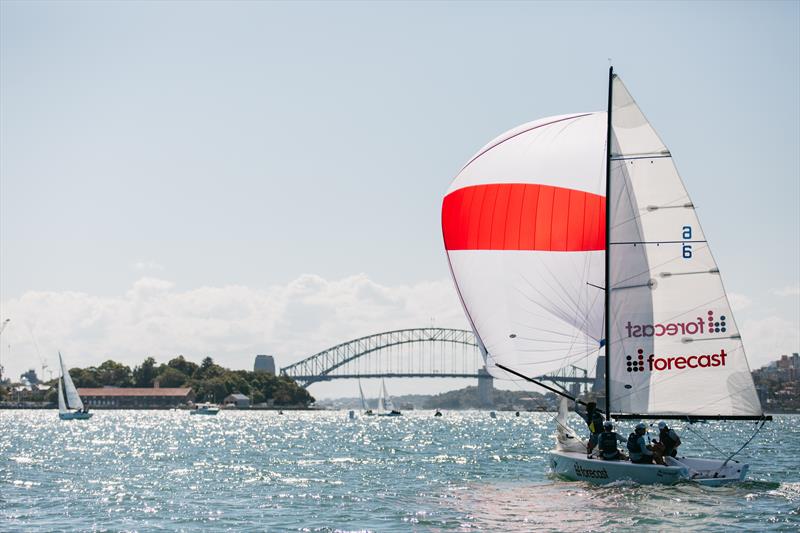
(211, 411)
(75, 416)
(711, 472)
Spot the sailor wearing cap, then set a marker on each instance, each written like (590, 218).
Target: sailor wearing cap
(669, 439)
(640, 451)
(607, 442)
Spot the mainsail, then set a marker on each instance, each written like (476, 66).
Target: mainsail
(382, 397)
(674, 345)
(62, 406)
(363, 400)
(385, 401)
(73, 401)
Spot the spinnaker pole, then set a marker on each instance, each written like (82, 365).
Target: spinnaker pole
(607, 320)
(537, 382)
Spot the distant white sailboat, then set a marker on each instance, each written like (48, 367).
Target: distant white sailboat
(365, 410)
(385, 405)
(70, 406)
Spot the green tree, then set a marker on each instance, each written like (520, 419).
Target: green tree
(114, 374)
(84, 377)
(170, 377)
(181, 364)
(144, 374)
(208, 369)
(257, 397)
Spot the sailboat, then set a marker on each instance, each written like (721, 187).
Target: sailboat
(571, 239)
(385, 405)
(365, 410)
(70, 406)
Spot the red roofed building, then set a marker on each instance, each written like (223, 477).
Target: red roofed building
(135, 398)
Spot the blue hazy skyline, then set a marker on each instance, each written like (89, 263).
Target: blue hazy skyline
(226, 178)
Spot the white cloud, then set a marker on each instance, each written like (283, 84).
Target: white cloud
(147, 265)
(230, 323)
(789, 290)
(766, 339)
(739, 301)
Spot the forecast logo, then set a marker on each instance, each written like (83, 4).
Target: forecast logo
(699, 326)
(654, 363)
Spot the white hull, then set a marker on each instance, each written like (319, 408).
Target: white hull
(577, 467)
(204, 410)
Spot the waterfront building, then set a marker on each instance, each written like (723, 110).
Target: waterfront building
(264, 363)
(240, 401)
(135, 398)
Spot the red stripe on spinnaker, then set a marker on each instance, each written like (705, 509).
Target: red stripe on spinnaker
(523, 216)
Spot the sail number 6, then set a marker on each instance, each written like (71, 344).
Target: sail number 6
(687, 248)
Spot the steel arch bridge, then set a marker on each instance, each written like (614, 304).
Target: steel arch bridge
(404, 353)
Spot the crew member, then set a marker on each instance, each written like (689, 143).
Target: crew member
(668, 438)
(594, 421)
(640, 451)
(607, 443)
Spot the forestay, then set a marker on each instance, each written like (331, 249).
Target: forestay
(674, 345)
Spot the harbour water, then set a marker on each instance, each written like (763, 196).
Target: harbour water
(319, 471)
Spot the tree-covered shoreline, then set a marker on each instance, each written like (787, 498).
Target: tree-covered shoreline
(208, 380)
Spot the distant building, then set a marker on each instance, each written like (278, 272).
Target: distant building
(264, 363)
(135, 398)
(239, 400)
(30, 377)
(485, 388)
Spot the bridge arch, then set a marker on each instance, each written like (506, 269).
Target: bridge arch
(342, 361)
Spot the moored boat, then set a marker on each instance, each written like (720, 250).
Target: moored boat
(204, 409)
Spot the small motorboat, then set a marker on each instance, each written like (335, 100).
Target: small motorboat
(204, 409)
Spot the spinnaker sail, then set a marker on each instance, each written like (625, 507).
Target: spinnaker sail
(523, 227)
(567, 439)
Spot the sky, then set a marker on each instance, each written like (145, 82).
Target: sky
(229, 179)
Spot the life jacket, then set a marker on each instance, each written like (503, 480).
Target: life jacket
(596, 422)
(608, 442)
(668, 442)
(633, 443)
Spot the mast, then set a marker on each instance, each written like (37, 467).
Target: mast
(607, 320)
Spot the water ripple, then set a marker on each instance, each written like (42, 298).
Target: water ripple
(251, 471)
